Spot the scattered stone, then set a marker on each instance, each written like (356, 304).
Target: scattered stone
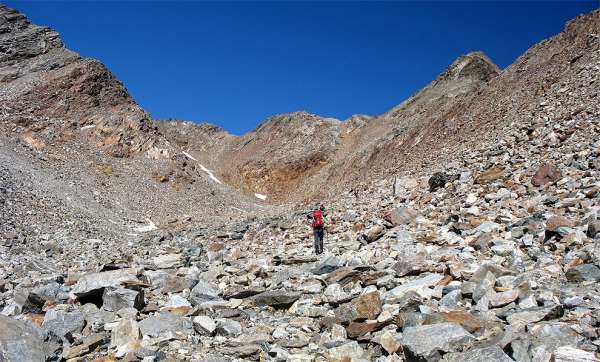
(547, 173)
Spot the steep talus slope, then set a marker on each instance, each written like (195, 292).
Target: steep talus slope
(71, 134)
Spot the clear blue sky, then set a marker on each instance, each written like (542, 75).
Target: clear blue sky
(234, 64)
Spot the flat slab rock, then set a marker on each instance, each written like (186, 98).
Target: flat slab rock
(95, 282)
(277, 298)
(427, 341)
(166, 323)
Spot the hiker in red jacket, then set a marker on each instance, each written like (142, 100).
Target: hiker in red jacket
(318, 224)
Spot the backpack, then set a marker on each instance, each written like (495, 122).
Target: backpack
(317, 219)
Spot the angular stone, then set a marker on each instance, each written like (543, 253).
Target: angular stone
(583, 272)
(401, 216)
(346, 352)
(374, 233)
(22, 341)
(94, 283)
(487, 354)
(166, 323)
(571, 354)
(167, 261)
(168, 283)
(203, 292)
(485, 286)
(357, 329)
(504, 298)
(115, 299)
(490, 175)
(89, 344)
(437, 181)
(534, 315)
(240, 292)
(545, 174)
(327, 266)
(62, 324)
(334, 293)
(126, 337)
(428, 341)
(420, 286)
(204, 325)
(277, 298)
(390, 341)
(246, 352)
(556, 222)
(228, 328)
(367, 306)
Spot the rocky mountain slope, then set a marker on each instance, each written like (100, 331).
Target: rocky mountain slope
(466, 228)
(71, 135)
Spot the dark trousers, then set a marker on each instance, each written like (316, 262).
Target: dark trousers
(319, 234)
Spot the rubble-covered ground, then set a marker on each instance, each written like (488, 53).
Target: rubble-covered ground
(492, 258)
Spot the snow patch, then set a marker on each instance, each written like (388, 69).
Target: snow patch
(189, 156)
(146, 228)
(208, 172)
(88, 127)
(260, 196)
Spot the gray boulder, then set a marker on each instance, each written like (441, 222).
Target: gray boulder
(277, 298)
(203, 292)
(166, 323)
(115, 299)
(94, 283)
(22, 341)
(583, 272)
(63, 324)
(426, 342)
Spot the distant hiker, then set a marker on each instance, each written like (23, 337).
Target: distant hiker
(318, 217)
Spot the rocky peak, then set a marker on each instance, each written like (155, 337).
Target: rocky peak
(19, 39)
(474, 65)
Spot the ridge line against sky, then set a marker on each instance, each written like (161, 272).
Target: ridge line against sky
(236, 64)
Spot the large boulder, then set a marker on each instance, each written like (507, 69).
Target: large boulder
(166, 323)
(94, 283)
(583, 272)
(22, 341)
(401, 216)
(63, 324)
(115, 299)
(426, 342)
(203, 292)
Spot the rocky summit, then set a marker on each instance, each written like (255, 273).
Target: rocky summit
(462, 224)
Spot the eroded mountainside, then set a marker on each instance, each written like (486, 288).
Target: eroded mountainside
(462, 224)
